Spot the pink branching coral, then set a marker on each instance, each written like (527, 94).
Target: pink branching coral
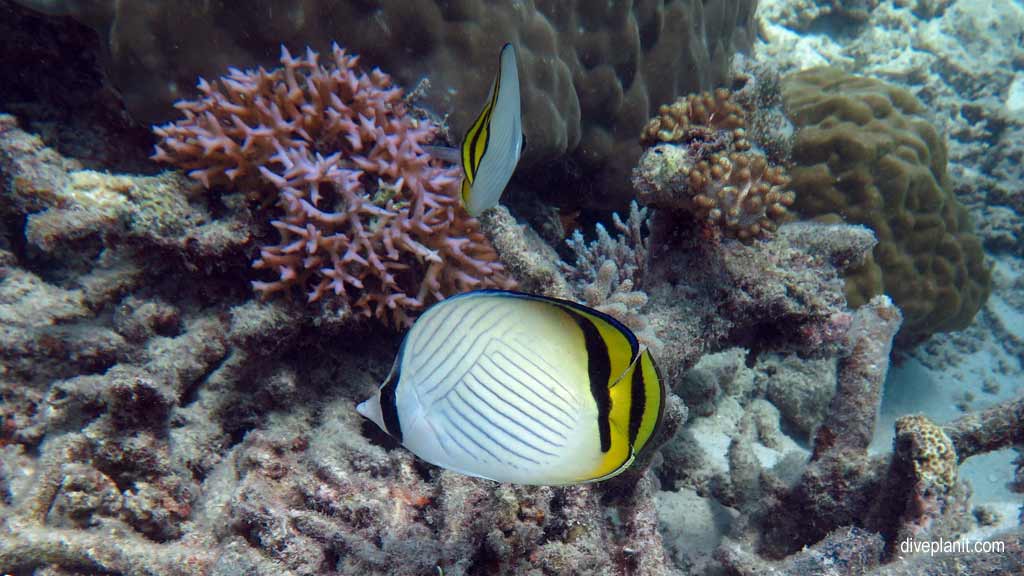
(363, 211)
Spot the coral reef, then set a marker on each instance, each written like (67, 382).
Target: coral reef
(592, 72)
(709, 169)
(158, 418)
(864, 153)
(781, 296)
(914, 492)
(361, 212)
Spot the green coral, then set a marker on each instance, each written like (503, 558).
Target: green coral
(863, 152)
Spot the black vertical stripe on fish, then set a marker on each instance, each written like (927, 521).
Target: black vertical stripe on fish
(599, 369)
(388, 406)
(483, 130)
(479, 127)
(637, 402)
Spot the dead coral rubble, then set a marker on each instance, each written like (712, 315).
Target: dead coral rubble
(914, 492)
(777, 296)
(360, 211)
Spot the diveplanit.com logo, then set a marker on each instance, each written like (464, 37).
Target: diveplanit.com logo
(943, 546)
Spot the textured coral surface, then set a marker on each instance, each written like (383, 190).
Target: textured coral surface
(361, 212)
(865, 153)
(592, 72)
(701, 162)
(157, 419)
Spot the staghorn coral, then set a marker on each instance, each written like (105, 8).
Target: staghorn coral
(865, 153)
(628, 250)
(702, 163)
(361, 211)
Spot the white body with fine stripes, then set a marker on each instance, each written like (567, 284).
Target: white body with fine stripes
(497, 388)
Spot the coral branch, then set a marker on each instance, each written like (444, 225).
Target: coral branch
(996, 428)
(850, 423)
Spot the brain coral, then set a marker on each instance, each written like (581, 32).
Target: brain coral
(592, 71)
(359, 208)
(865, 153)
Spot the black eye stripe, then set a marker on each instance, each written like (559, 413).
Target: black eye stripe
(388, 406)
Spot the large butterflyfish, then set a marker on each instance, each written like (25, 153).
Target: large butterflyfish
(520, 388)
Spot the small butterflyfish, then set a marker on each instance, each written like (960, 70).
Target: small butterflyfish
(493, 144)
(520, 388)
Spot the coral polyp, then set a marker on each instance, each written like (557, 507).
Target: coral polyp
(698, 116)
(738, 192)
(701, 162)
(741, 193)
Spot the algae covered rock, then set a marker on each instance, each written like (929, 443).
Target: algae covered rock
(865, 153)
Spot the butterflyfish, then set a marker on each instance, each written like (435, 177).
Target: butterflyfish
(493, 144)
(520, 388)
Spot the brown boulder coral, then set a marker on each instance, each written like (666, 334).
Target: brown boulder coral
(865, 153)
(359, 208)
(592, 71)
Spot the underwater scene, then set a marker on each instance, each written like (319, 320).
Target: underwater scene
(494, 287)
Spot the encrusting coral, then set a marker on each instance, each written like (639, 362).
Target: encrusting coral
(701, 162)
(361, 210)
